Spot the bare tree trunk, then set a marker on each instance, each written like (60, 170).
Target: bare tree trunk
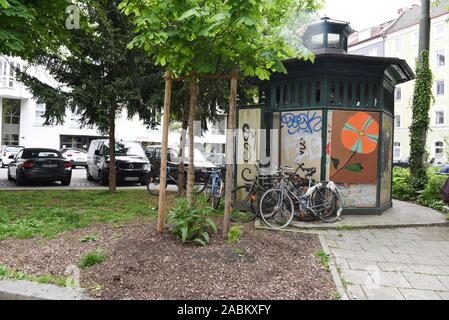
(191, 168)
(182, 145)
(163, 174)
(112, 169)
(230, 155)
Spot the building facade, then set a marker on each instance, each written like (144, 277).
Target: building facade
(22, 123)
(400, 38)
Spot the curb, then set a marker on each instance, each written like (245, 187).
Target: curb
(334, 272)
(26, 290)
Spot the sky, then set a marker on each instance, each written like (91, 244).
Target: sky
(365, 13)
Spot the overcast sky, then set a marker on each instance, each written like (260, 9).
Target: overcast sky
(365, 13)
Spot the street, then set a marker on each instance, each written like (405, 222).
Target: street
(79, 181)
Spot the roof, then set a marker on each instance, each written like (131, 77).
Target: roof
(410, 17)
(407, 18)
(395, 67)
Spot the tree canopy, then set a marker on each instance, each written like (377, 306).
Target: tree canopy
(215, 36)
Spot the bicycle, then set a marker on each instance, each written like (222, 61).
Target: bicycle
(153, 184)
(245, 198)
(214, 186)
(321, 200)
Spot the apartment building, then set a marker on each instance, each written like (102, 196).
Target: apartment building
(400, 38)
(22, 123)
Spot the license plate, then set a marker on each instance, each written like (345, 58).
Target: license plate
(131, 178)
(49, 166)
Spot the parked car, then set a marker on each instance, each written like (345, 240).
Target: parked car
(201, 164)
(38, 164)
(77, 156)
(401, 163)
(218, 159)
(6, 152)
(132, 165)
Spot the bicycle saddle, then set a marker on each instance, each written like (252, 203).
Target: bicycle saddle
(309, 171)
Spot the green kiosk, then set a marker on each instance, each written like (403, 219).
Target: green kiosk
(335, 115)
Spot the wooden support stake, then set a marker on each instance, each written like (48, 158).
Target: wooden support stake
(230, 154)
(163, 175)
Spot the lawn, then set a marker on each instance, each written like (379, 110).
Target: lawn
(26, 214)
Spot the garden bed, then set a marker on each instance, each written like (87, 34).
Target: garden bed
(141, 264)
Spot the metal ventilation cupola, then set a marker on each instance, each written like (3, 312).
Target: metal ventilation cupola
(328, 36)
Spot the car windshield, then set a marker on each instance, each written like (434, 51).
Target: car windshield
(197, 155)
(13, 149)
(34, 154)
(126, 149)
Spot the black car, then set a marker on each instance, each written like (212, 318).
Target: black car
(37, 164)
(131, 163)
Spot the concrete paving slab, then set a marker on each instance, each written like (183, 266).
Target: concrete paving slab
(415, 294)
(25, 290)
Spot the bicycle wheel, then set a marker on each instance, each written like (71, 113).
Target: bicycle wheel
(216, 193)
(154, 185)
(276, 209)
(325, 204)
(244, 204)
(201, 183)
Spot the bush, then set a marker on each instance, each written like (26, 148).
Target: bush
(235, 234)
(92, 258)
(193, 224)
(402, 186)
(431, 196)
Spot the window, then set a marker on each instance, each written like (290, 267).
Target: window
(439, 118)
(439, 151)
(397, 150)
(397, 121)
(415, 39)
(439, 30)
(398, 94)
(39, 113)
(75, 120)
(440, 87)
(441, 58)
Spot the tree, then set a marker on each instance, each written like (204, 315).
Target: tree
(422, 100)
(98, 77)
(200, 39)
(28, 25)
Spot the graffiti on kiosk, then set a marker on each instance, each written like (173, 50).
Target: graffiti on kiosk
(302, 123)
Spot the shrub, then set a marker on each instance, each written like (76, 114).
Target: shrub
(402, 186)
(431, 196)
(193, 224)
(92, 258)
(235, 234)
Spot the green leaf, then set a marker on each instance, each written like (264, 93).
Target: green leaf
(200, 241)
(335, 162)
(356, 167)
(206, 236)
(188, 14)
(212, 224)
(184, 233)
(4, 4)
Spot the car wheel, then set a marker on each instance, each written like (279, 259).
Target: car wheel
(9, 175)
(20, 180)
(2, 165)
(66, 182)
(88, 176)
(103, 179)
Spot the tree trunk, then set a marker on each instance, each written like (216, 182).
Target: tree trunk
(230, 155)
(163, 174)
(112, 168)
(182, 147)
(191, 167)
(422, 98)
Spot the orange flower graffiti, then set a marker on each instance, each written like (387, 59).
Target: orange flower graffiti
(360, 134)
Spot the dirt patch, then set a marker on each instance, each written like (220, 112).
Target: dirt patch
(144, 265)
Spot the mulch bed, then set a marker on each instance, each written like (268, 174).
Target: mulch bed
(144, 265)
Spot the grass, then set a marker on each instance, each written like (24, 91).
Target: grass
(92, 258)
(12, 274)
(324, 257)
(27, 214)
